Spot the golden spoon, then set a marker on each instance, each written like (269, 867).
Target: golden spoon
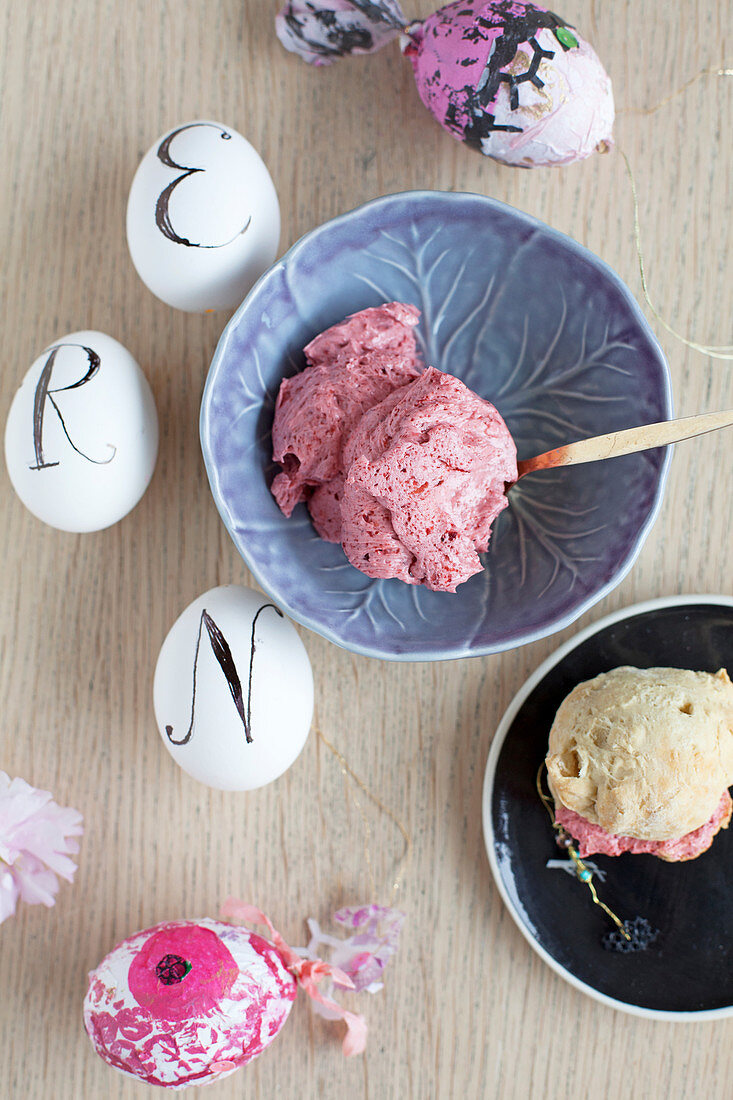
(627, 442)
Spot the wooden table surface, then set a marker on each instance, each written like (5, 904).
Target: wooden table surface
(468, 1009)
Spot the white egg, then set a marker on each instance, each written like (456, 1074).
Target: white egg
(203, 220)
(81, 437)
(233, 690)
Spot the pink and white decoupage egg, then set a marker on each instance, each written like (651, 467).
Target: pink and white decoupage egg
(513, 81)
(203, 218)
(187, 1002)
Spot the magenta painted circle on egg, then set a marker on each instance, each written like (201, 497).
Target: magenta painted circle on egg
(205, 973)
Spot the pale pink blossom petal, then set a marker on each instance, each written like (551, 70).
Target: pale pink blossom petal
(36, 885)
(8, 894)
(37, 839)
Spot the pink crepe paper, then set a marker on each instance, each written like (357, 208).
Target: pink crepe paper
(308, 973)
(36, 841)
(364, 954)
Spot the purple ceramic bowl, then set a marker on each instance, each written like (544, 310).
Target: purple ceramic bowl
(528, 319)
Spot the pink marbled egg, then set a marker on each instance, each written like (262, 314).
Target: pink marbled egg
(187, 1002)
(512, 80)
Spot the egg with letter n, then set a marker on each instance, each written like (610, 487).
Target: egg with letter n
(233, 690)
(81, 438)
(203, 218)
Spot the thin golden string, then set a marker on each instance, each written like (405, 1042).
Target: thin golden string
(720, 351)
(404, 859)
(673, 95)
(583, 872)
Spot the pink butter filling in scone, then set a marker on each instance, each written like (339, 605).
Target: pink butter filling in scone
(593, 840)
(351, 367)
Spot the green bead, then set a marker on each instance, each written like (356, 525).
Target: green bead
(565, 37)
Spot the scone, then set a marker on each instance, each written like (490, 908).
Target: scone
(640, 760)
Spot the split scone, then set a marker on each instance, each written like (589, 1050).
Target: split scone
(640, 761)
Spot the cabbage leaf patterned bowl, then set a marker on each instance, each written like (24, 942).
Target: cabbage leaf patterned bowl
(528, 319)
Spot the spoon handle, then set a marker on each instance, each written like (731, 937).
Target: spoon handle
(627, 442)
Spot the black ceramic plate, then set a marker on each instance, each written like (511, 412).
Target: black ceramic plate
(687, 972)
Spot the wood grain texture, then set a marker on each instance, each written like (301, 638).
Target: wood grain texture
(468, 1010)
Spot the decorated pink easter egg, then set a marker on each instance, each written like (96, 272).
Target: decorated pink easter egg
(512, 80)
(187, 1003)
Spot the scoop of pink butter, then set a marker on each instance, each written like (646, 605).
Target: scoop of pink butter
(427, 473)
(593, 840)
(352, 366)
(406, 468)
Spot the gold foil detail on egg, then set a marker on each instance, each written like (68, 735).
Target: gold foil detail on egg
(519, 64)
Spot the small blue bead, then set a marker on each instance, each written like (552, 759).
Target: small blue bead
(585, 875)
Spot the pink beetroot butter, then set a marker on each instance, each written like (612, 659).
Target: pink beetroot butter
(593, 840)
(406, 468)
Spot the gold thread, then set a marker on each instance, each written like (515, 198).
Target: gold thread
(673, 95)
(722, 351)
(580, 867)
(404, 859)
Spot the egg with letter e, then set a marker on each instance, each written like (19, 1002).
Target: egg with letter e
(203, 218)
(81, 437)
(233, 690)
(187, 1002)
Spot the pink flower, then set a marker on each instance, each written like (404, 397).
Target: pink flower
(36, 841)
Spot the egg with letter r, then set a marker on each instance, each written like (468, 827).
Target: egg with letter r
(203, 218)
(233, 690)
(81, 438)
